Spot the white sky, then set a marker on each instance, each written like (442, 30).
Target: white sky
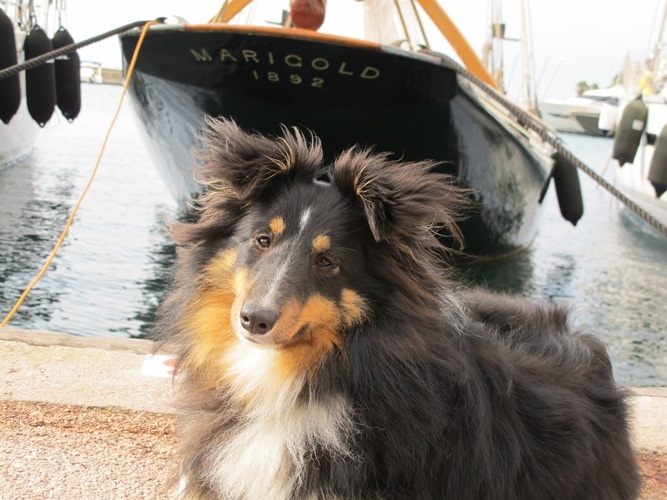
(573, 40)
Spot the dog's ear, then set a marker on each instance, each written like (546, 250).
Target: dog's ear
(248, 163)
(401, 200)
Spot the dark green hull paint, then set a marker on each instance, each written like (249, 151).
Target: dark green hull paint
(415, 106)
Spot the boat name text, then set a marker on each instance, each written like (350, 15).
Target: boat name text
(291, 62)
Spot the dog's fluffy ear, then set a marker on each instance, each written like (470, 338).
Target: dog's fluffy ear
(248, 163)
(402, 201)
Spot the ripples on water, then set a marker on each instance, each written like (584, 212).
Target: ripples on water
(111, 271)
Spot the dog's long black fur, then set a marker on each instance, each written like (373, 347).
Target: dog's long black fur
(325, 351)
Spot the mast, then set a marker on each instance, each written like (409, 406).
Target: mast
(228, 10)
(495, 62)
(658, 46)
(528, 81)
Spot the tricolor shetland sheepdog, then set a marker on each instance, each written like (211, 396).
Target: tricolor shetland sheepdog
(325, 351)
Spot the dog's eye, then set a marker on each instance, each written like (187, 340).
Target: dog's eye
(263, 241)
(324, 261)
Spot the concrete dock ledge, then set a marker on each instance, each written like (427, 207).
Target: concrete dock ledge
(38, 369)
(60, 368)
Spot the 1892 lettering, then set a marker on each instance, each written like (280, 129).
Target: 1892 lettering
(294, 79)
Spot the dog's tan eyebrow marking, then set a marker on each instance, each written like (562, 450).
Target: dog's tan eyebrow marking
(321, 243)
(277, 225)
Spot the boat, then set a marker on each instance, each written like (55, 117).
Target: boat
(91, 72)
(390, 90)
(594, 112)
(29, 99)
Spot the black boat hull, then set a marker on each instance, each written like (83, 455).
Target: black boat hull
(415, 106)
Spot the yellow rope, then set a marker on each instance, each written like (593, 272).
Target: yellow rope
(70, 220)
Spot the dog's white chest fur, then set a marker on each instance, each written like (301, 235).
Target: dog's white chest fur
(270, 447)
(268, 455)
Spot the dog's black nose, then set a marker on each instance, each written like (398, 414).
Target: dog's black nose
(256, 319)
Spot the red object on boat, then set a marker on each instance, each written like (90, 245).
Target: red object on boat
(308, 14)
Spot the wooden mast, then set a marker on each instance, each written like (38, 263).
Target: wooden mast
(229, 9)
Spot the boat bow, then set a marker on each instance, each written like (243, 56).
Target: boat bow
(348, 91)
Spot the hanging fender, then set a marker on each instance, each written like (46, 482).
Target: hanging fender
(40, 82)
(10, 88)
(568, 189)
(657, 172)
(629, 131)
(68, 76)
(308, 14)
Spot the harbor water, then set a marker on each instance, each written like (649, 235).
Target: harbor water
(110, 274)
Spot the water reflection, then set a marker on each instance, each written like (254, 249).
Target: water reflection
(105, 279)
(33, 209)
(162, 257)
(512, 274)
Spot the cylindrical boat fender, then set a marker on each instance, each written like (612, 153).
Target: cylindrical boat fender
(40, 82)
(568, 189)
(308, 14)
(629, 131)
(68, 76)
(10, 88)
(608, 117)
(657, 172)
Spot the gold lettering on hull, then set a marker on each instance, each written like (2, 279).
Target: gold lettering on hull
(343, 71)
(250, 56)
(275, 68)
(201, 55)
(293, 60)
(225, 55)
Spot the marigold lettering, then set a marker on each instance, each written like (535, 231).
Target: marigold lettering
(344, 71)
(258, 60)
(203, 55)
(225, 54)
(293, 60)
(320, 64)
(249, 55)
(370, 73)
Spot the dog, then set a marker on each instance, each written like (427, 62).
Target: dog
(326, 350)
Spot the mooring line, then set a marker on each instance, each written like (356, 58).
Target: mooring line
(530, 121)
(36, 61)
(70, 220)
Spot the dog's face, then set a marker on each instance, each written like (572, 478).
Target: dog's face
(282, 266)
(299, 260)
(289, 279)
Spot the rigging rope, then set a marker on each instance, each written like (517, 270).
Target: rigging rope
(36, 61)
(70, 220)
(531, 122)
